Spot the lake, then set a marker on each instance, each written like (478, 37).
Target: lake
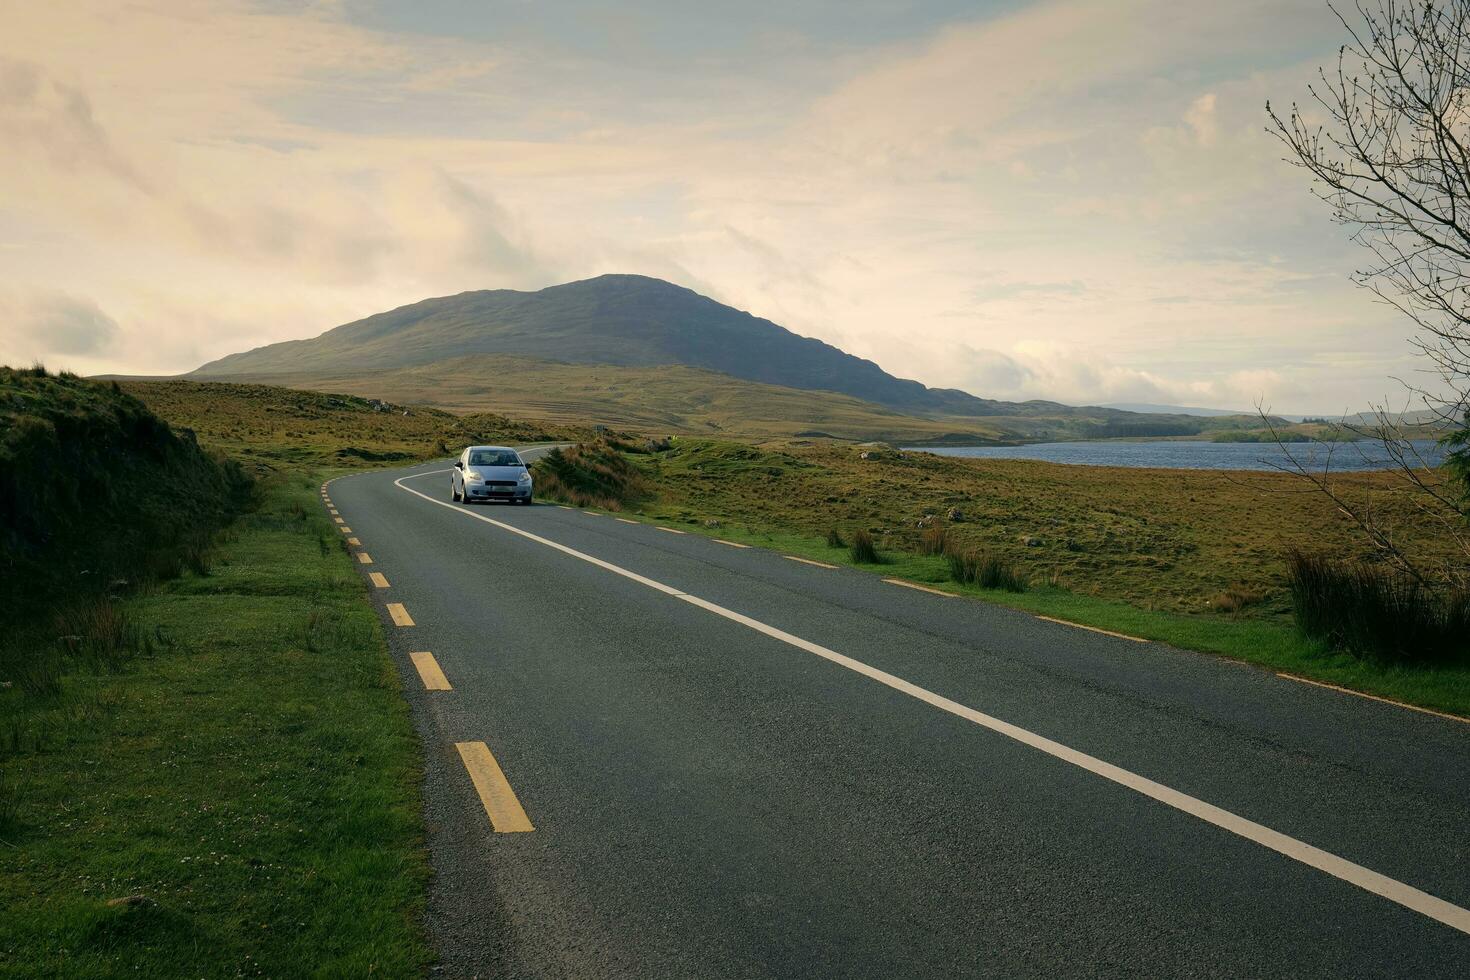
(1192, 455)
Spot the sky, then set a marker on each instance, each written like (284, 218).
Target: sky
(1070, 199)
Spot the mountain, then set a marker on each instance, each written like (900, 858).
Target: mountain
(1146, 408)
(625, 320)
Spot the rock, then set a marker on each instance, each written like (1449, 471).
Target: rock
(955, 514)
(926, 521)
(713, 522)
(1030, 541)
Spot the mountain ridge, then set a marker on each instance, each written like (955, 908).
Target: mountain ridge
(617, 319)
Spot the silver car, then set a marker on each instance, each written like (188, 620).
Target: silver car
(490, 473)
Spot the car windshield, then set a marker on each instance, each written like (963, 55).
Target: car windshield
(494, 457)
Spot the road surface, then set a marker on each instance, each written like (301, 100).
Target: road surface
(653, 754)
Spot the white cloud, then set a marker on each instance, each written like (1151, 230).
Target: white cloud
(37, 325)
(1078, 194)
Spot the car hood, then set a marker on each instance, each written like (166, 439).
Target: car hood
(496, 472)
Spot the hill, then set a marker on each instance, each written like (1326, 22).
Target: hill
(269, 427)
(632, 321)
(95, 486)
(663, 399)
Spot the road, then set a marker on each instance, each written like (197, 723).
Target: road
(663, 756)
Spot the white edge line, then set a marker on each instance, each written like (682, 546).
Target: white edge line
(809, 561)
(922, 588)
(1355, 874)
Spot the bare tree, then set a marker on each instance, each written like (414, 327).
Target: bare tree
(1386, 139)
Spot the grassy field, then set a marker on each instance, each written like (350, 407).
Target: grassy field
(1190, 558)
(227, 785)
(686, 400)
(271, 428)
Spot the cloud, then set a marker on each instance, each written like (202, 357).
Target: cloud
(42, 326)
(1086, 174)
(39, 113)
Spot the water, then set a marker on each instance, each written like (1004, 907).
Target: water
(1191, 455)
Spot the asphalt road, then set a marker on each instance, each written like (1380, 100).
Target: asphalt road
(737, 765)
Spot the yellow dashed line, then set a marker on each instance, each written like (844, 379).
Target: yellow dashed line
(364, 558)
(382, 583)
(429, 672)
(399, 614)
(916, 585)
(345, 529)
(1094, 629)
(500, 802)
(808, 561)
(1374, 697)
(339, 520)
(624, 520)
(591, 513)
(732, 544)
(354, 542)
(671, 530)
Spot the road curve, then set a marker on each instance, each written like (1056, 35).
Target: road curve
(650, 754)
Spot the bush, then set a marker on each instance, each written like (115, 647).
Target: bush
(864, 552)
(975, 567)
(834, 539)
(1376, 612)
(591, 474)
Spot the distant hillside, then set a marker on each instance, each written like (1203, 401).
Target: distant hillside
(673, 399)
(625, 320)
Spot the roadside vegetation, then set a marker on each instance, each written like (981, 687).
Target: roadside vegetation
(592, 474)
(1199, 559)
(206, 765)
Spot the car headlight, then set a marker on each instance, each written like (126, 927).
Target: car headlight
(474, 478)
(525, 478)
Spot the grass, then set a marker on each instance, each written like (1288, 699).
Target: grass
(971, 566)
(95, 488)
(217, 776)
(273, 429)
(1378, 613)
(1194, 559)
(863, 550)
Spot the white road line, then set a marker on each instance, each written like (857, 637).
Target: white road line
(1395, 891)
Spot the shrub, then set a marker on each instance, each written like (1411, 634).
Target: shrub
(934, 540)
(975, 567)
(1376, 612)
(834, 539)
(864, 552)
(591, 474)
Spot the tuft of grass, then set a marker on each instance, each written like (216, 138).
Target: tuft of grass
(934, 540)
(1237, 597)
(10, 805)
(974, 566)
(834, 539)
(864, 551)
(1376, 612)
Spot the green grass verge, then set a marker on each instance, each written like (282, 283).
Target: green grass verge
(251, 775)
(1274, 644)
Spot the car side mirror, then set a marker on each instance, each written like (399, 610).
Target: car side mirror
(458, 465)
